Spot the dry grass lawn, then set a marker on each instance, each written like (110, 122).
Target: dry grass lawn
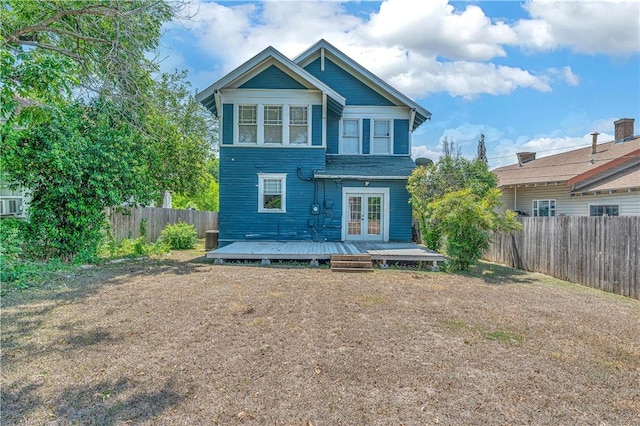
(183, 342)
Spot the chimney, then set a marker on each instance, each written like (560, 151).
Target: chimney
(623, 128)
(525, 157)
(594, 142)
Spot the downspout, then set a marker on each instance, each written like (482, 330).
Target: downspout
(324, 119)
(515, 197)
(412, 119)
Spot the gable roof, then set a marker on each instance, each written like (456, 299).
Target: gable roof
(577, 168)
(323, 47)
(269, 56)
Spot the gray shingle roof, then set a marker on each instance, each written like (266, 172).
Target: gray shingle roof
(367, 166)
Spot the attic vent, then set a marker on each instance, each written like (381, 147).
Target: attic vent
(525, 157)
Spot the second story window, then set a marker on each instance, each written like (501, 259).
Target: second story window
(298, 125)
(247, 124)
(273, 124)
(381, 137)
(350, 137)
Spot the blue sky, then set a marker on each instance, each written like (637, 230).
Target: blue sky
(538, 75)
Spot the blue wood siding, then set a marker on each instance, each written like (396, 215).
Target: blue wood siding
(227, 124)
(239, 218)
(330, 221)
(316, 125)
(272, 78)
(401, 137)
(333, 133)
(354, 90)
(366, 136)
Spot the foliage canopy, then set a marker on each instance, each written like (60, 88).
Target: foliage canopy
(457, 205)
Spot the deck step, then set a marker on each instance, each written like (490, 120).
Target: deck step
(351, 263)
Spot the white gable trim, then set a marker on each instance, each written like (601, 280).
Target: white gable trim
(370, 79)
(263, 58)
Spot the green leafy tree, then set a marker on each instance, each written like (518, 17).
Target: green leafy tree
(181, 136)
(50, 50)
(77, 162)
(454, 201)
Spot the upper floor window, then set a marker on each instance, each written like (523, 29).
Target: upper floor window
(273, 124)
(381, 137)
(247, 124)
(604, 210)
(544, 208)
(350, 137)
(299, 125)
(272, 192)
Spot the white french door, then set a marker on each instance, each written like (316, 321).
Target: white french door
(365, 214)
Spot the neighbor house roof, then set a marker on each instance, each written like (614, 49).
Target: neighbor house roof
(367, 167)
(210, 98)
(578, 168)
(323, 47)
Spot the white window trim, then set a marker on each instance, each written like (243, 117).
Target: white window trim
(341, 132)
(603, 204)
(288, 123)
(372, 131)
(260, 124)
(261, 178)
(535, 208)
(236, 124)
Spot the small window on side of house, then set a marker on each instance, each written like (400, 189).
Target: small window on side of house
(248, 124)
(272, 192)
(299, 125)
(604, 210)
(273, 124)
(350, 137)
(381, 137)
(544, 208)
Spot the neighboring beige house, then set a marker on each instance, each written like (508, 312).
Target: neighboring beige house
(600, 180)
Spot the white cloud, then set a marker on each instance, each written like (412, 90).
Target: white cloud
(437, 48)
(610, 27)
(422, 151)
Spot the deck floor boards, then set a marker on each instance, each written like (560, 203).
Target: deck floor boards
(310, 250)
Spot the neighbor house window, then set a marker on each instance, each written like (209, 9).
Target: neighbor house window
(298, 125)
(273, 124)
(544, 208)
(247, 124)
(604, 210)
(350, 137)
(272, 190)
(381, 137)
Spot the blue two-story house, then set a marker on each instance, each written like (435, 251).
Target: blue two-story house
(316, 148)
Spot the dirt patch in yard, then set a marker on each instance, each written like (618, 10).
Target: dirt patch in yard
(179, 340)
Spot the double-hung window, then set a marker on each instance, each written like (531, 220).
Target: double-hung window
(248, 124)
(544, 208)
(299, 125)
(381, 137)
(272, 192)
(350, 137)
(604, 210)
(273, 124)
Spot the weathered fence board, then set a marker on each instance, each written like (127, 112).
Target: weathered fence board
(126, 224)
(599, 252)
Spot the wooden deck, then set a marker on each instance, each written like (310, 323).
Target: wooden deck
(266, 251)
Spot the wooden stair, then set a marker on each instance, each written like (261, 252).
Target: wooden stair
(351, 263)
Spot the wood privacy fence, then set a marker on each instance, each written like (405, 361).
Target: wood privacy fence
(126, 224)
(599, 252)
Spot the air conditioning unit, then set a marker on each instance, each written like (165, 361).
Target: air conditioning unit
(11, 206)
